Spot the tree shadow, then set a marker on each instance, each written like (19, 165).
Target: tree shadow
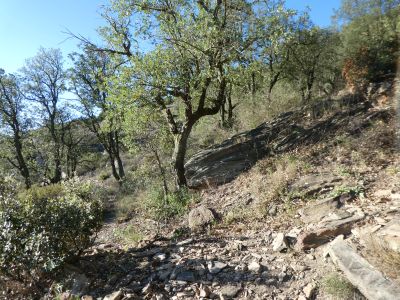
(168, 267)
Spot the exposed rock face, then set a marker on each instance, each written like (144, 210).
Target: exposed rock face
(224, 162)
(200, 217)
(312, 184)
(322, 208)
(371, 283)
(336, 224)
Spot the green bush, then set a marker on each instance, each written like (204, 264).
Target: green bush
(175, 204)
(45, 226)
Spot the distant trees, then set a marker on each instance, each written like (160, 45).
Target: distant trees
(370, 31)
(310, 56)
(89, 77)
(14, 123)
(45, 81)
(44, 138)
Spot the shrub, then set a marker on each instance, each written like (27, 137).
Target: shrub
(128, 235)
(45, 226)
(175, 204)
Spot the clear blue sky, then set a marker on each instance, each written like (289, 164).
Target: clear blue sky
(26, 25)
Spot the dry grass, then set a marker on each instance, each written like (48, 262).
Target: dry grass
(128, 235)
(271, 177)
(339, 288)
(381, 255)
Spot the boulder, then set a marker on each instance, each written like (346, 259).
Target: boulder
(323, 232)
(200, 216)
(369, 281)
(316, 211)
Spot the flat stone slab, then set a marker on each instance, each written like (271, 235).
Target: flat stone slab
(314, 183)
(316, 211)
(369, 281)
(327, 230)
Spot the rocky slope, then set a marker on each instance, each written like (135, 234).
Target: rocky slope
(338, 178)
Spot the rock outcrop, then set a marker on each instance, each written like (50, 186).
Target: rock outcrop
(371, 283)
(224, 162)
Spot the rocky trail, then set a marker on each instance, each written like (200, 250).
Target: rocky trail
(339, 217)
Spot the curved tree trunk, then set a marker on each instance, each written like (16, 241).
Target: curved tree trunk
(179, 154)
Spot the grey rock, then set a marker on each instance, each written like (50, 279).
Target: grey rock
(160, 256)
(200, 217)
(390, 235)
(230, 291)
(204, 291)
(273, 210)
(315, 212)
(254, 267)
(314, 183)
(309, 290)
(280, 243)
(369, 281)
(186, 276)
(326, 231)
(214, 267)
(114, 296)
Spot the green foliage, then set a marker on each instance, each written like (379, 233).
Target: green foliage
(337, 286)
(353, 190)
(370, 35)
(45, 226)
(104, 175)
(163, 207)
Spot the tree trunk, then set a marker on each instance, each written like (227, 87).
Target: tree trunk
(121, 171)
(23, 168)
(222, 112)
(113, 167)
(230, 107)
(57, 169)
(178, 157)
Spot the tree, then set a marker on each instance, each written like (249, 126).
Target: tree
(307, 53)
(89, 82)
(272, 52)
(186, 70)
(14, 122)
(44, 83)
(370, 31)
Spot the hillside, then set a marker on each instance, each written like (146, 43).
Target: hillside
(211, 149)
(267, 234)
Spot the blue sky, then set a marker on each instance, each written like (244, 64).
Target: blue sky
(26, 25)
